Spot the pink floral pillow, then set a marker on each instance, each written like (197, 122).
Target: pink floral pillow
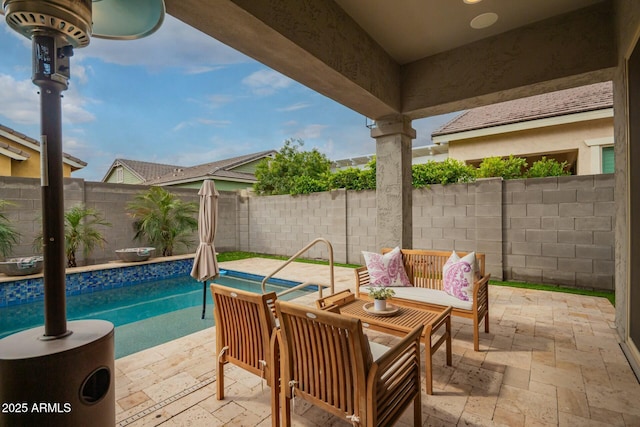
(458, 275)
(387, 269)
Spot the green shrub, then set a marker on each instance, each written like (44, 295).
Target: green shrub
(352, 179)
(548, 167)
(510, 168)
(305, 184)
(449, 171)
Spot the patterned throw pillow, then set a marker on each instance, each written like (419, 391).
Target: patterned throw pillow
(458, 275)
(387, 269)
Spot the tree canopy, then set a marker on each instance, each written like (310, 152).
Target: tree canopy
(294, 171)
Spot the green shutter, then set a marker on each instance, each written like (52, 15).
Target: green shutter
(608, 160)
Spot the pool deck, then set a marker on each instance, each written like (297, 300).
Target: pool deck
(550, 359)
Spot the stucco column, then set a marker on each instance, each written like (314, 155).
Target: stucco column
(393, 181)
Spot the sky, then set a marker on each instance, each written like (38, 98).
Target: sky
(179, 97)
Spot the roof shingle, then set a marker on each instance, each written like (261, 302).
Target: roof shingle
(570, 101)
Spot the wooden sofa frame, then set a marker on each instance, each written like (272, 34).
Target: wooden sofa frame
(424, 269)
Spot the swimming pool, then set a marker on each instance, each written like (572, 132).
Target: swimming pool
(144, 315)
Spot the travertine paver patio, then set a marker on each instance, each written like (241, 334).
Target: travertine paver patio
(550, 359)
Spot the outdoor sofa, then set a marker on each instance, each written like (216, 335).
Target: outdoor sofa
(424, 270)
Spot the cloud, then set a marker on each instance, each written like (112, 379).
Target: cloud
(174, 45)
(20, 100)
(295, 107)
(266, 82)
(218, 100)
(21, 103)
(313, 131)
(201, 121)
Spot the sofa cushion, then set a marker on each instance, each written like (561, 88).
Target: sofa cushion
(387, 269)
(458, 275)
(432, 296)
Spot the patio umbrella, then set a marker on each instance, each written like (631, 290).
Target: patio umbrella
(205, 264)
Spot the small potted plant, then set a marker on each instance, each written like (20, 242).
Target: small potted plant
(380, 294)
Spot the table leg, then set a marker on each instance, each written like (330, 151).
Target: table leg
(428, 362)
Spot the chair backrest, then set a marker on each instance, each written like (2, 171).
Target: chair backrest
(244, 325)
(424, 267)
(325, 358)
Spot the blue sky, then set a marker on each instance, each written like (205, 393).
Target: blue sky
(178, 97)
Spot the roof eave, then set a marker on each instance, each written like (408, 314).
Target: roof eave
(524, 125)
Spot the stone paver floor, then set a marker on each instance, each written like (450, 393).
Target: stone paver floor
(550, 359)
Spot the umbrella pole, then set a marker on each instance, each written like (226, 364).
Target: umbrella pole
(204, 297)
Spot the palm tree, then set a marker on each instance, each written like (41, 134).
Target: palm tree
(8, 235)
(80, 230)
(163, 219)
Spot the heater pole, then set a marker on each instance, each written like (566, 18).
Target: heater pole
(50, 74)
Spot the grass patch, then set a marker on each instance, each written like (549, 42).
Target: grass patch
(236, 255)
(611, 296)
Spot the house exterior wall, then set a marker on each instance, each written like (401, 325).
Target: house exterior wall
(29, 168)
(545, 230)
(543, 140)
(127, 176)
(248, 167)
(5, 166)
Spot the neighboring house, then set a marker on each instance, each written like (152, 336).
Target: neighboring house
(230, 174)
(419, 155)
(574, 125)
(124, 171)
(20, 156)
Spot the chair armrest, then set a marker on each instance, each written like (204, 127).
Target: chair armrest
(405, 347)
(394, 378)
(481, 292)
(362, 278)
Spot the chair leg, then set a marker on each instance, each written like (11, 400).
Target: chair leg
(476, 336)
(417, 409)
(285, 409)
(276, 387)
(486, 321)
(220, 381)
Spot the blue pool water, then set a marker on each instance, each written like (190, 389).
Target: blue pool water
(144, 315)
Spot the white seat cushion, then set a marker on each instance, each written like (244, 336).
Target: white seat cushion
(432, 296)
(377, 349)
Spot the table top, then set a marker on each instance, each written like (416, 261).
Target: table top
(405, 320)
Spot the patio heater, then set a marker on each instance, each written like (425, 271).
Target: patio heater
(62, 374)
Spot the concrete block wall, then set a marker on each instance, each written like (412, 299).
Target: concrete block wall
(560, 230)
(282, 225)
(109, 199)
(361, 225)
(461, 217)
(549, 230)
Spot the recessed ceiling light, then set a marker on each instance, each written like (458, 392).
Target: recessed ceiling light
(471, 1)
(484, 20)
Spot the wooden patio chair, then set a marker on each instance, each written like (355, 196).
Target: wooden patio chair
(245, 337)
(326, 360)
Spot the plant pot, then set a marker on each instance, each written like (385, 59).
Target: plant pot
(379, 304)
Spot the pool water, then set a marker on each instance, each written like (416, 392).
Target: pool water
(144, 315)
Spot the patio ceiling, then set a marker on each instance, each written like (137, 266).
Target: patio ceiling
(417, 57)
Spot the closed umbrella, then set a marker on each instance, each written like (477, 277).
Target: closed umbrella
(205, 264)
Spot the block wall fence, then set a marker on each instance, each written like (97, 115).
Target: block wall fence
(556, 230)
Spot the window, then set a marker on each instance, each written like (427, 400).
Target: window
(120, 174)
(608, 160)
